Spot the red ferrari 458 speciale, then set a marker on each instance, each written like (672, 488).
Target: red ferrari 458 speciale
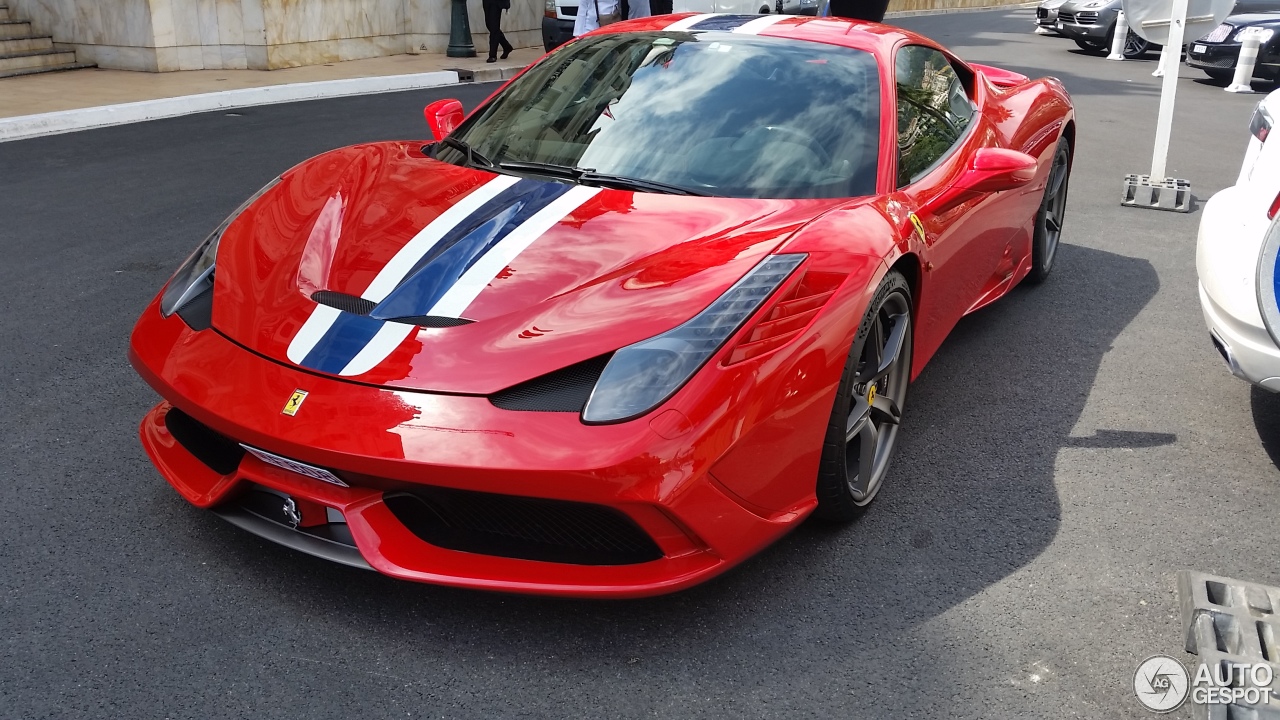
(644, 310)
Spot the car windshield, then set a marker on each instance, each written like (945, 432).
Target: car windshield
(711, 112)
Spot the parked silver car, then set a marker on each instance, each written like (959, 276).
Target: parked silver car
(1047, 15)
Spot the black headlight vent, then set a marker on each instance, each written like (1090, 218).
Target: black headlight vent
(565, 390)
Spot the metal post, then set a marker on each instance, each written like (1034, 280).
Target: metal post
(460, 45)
(1172, 59)
(1242, 82)
(1159, 71)
(1120, 38)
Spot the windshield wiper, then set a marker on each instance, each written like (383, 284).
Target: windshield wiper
(620, 182)
(473, 155)
(588, 176)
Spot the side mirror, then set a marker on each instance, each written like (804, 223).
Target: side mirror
(996, 169)
(991, 170)
(442, 117)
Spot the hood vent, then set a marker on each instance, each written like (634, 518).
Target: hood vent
(357, 305)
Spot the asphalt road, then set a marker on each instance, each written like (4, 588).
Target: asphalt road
(1068, 451)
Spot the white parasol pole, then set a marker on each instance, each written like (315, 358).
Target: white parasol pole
(1170, 62)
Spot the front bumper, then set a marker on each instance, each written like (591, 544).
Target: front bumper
(1084, 32)
(1223, 57)
(1046, 17)
(656, 471)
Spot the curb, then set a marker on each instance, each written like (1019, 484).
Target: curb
(65, 121)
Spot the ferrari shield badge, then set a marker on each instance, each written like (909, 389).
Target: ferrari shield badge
(919, 228)
(295, 402)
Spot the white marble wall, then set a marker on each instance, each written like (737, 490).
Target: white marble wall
(164, 35)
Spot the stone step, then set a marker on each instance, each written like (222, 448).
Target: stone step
(53, 68)
(10, 46)
(14, 29)
(36, 59)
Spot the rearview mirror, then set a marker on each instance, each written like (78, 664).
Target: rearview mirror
(442, 117)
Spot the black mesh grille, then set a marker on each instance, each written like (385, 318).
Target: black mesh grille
(432, 321)
(353, 304)
(1220, 61)
(523, 528)
(565, 390)
(220, 453)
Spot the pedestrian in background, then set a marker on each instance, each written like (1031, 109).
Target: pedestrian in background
(593, 14)
(493, 21)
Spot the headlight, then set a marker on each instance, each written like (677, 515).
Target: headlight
(639, 377)
(1264, 34)
(195, 276)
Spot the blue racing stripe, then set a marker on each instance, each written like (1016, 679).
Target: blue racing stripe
(723, 22)
(342, 341)
(457, 251)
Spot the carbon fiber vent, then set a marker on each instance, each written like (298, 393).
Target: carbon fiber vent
(522, 527)
(353, 304)
(565, 390)
(431, 321)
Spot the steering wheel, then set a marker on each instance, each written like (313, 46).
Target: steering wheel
(799, 136)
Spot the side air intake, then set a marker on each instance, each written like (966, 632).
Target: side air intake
(565, 390)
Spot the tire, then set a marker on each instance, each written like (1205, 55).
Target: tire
(884, 337)
(1135, 46)
(1092, 46)
(1053, 208)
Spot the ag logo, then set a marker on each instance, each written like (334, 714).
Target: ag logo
(1161, 683)
(295, 402)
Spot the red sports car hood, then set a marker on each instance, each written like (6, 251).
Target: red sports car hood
(378, 264)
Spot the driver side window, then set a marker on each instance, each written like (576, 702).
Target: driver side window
(933, 110)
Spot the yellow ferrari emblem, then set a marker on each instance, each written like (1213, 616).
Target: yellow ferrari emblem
(295, 402)
(919, 227)
(871, 396)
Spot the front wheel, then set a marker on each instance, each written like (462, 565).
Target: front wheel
(1053, 208)
(863, 431)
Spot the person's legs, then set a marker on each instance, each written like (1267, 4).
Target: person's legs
(493, 23)
(506, 46)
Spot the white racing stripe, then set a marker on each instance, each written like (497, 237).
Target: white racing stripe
(393, 273)
(322, 317)
(389, 337)
(690, 21)
(478, 276)
(474, 280)
(753, 27)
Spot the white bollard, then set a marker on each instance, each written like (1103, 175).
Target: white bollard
(1159, 71)
(1119, 38)
(1249, 44)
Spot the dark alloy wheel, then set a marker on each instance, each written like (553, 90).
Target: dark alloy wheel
(1135, 46)
(863, 430)
(1053, 208)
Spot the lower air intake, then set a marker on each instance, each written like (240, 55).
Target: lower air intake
(523, 528)
(220, 453)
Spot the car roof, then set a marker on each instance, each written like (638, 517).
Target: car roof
(872, 37)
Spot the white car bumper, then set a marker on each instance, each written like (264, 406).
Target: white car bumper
(1227, 262)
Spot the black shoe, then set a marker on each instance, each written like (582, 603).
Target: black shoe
(491, 59)
(505, 53)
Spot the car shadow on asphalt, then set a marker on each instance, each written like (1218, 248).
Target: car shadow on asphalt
(1266, 419)
(970, 499)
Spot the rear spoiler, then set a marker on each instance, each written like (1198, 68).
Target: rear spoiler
(999, 77)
